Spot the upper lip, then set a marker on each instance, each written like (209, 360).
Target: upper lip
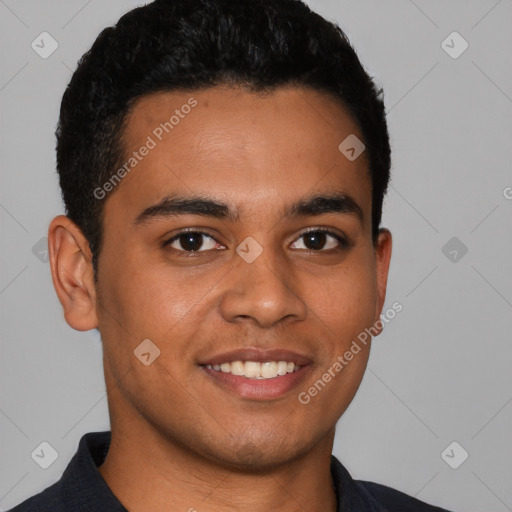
(258, 355)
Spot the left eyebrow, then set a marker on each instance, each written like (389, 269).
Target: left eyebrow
(173, 206)
(321, 204)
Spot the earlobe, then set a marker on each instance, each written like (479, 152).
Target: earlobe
(383, 258)
(72, 273)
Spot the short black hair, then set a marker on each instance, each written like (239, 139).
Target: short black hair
(189, 45)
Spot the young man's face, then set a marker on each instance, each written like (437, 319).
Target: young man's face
(201, 297)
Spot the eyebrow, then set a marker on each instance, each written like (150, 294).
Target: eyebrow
(320, 204)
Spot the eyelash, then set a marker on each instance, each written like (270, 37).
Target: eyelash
(342, 241)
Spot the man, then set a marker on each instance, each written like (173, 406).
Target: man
(223, 165)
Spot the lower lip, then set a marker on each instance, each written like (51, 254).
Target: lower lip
(258, 389)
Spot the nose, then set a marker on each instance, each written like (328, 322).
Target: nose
(264, 292)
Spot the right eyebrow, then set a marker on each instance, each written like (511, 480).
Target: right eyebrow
(194, 205)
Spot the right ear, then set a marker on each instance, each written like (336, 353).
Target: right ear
(72, 273)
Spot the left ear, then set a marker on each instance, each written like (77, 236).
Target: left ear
(383, 258)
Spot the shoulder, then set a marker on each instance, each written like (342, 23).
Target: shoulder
(360, 495)
(48, 500)
(393, 500)
(81, 486)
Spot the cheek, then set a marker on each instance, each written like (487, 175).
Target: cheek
(158, 302)
(344, 301)
(140, 289)
(174, 294)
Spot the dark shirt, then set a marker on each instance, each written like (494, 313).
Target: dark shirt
(82, 488)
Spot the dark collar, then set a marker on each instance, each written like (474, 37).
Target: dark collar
(82, 487)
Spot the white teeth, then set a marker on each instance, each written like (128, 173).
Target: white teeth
(282, 368)
(237, 368)
(269, 370)
(256, 370)
(252, 369)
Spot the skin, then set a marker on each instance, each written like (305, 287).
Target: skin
(177, 437)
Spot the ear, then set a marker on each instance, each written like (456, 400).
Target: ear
(72, 273)
(383, 258)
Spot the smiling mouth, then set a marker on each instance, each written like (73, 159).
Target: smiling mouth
(255, 374)
(255, 369)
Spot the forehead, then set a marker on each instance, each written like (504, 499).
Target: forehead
(242, 147)
(297, 115)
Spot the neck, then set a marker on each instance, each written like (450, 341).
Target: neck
(159, 475)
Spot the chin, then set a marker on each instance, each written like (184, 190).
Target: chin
(251, 456)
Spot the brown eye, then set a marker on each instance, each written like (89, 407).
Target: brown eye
(318, 240)
(192, 241)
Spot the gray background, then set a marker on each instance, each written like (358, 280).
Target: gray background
(440, 372)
